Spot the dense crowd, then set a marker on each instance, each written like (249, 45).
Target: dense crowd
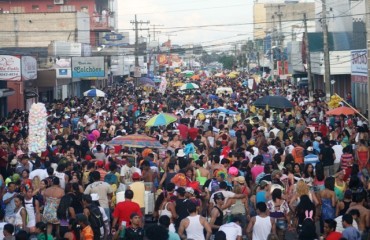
(260, 174)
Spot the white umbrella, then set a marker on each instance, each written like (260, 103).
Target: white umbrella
(94, 93)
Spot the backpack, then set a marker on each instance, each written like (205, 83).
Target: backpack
(96, 220)
(214, 186)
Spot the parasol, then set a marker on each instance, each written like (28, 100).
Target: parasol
(341, 111)
(162, 119)
(136, 141)
(94, 93)
(189, 86)
(273, 102)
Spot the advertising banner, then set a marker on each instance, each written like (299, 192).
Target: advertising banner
(63, 68)
(83, 67)
(359, 63)
(10, 68)
(29, 68)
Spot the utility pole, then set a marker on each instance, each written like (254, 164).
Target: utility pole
(154, 31)
(279, 14)
(137, 29)
(326, 51)
(273, 42)
(156, 48)
(308, 60)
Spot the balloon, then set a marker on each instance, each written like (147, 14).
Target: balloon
(96, 133)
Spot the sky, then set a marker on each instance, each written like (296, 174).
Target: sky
(181, 20)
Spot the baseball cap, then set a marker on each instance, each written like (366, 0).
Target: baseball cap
(136, 176)
(100, 163)
(189, 190)
(218, 195)
(310, 149)
(240, 179)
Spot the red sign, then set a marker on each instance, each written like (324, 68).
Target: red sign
(162, 59)
(280, 68)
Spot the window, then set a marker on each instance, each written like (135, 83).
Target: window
(17, 9)
(50, 7)
(35, 7)
(85, 9)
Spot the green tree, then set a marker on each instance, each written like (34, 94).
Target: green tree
(227, 61)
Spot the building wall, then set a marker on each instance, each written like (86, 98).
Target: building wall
(48, 6)
(265, 18)
(338, 15)
(36, 30)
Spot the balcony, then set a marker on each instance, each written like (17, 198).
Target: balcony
(101, 23)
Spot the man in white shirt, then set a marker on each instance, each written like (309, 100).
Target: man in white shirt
(41, 173)
(128, 169)
(338, 151)
(232, 229)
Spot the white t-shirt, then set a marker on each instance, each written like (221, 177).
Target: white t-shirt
(338, 151)
(41, 173)
(232, 230)
(2, 224)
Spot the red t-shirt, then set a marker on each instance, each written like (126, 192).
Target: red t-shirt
(4, 155)
(123, 211)
(334, 236)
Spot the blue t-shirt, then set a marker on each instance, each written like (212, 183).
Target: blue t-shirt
(9, 208)
(351, 233)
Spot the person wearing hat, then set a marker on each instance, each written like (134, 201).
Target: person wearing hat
(311, 157)
(217, 215)
(100, 168)
(138, 187)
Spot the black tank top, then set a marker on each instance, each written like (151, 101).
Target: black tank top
(344, 210)
(219, 220)
(169, 176)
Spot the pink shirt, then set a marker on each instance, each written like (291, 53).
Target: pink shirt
(256, 170)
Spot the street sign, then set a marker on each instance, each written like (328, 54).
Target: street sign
(137, 72)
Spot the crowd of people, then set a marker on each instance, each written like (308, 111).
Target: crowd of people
(259, 174)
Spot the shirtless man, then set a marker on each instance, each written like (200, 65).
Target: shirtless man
(364, 221)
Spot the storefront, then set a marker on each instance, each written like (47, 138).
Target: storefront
(359, 79)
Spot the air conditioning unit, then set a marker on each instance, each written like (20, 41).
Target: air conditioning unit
(58, 1)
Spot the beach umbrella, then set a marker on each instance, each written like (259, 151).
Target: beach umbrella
(145, 80)
(162, 119)
(195, 77)
(232, 75)
(341, 111)
(188, 73)
(189, 86)
(273, 102)
(94, 93)
(178, 84)
(136, 141)
(220, 110)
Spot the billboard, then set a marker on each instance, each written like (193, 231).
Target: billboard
(359, 63)
(10, 68)
(83, 67)
(29, 68)
(63, 68)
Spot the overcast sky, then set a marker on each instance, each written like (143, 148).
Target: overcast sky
(179, 16)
